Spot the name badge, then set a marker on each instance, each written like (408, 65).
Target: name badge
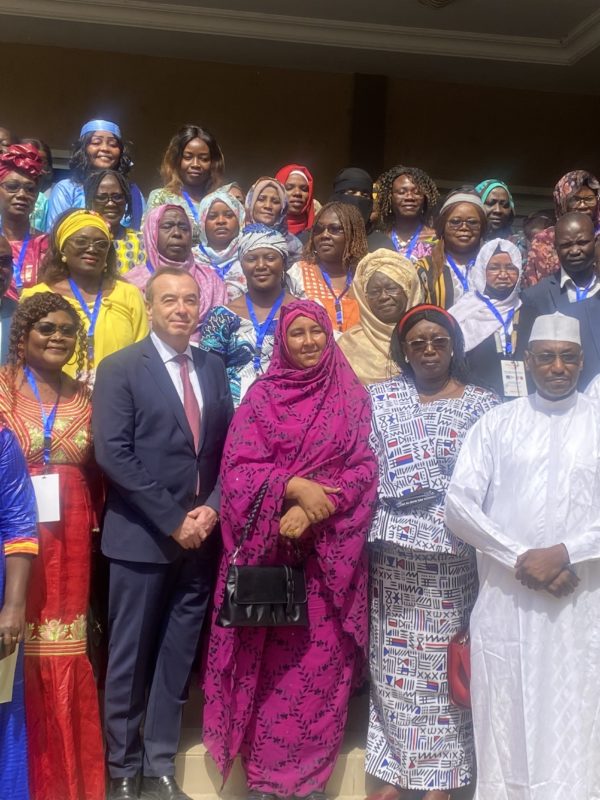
(513, 378)
(47, 496)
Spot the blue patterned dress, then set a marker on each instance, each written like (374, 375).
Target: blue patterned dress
(18, 535)
(234, 339)
(423, 587)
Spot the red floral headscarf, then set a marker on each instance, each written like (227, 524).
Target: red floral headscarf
(23, 158)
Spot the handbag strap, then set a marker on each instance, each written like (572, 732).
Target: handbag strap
(252, 516)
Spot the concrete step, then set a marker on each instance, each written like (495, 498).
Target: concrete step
(198, 775)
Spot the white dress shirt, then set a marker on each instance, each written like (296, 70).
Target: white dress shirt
(566, 280)
(167, 355)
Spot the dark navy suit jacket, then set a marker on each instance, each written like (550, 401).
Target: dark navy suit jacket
(547, 297)
(144, 446)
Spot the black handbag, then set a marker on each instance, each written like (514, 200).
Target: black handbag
(262, 596)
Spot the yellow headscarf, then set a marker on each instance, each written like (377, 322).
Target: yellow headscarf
(76, 221)
(367, 345)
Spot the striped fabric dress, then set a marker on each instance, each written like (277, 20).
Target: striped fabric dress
(423, 586)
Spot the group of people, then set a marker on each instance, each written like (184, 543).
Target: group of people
(393, 393)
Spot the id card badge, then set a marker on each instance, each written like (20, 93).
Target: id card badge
(513, 378)
(47, 496)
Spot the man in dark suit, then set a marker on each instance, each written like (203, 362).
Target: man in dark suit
(7, 305)
(574, 290)
(160, 415)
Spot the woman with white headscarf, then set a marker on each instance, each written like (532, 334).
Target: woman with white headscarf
(489, 315)
(243, 331)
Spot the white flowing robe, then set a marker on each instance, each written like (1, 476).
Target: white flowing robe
(528, 476)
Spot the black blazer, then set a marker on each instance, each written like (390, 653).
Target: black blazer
(144, 445)
(547, 297)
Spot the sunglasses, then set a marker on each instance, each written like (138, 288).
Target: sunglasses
(438, 343)
(83, 243)
(545, 359)
(334, 230)
(50, 328)
(104, 197)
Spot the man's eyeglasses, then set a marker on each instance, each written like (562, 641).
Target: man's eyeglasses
(544, 359)
(438, 343)
(50, 328)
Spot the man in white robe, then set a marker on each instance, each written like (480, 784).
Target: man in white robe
(526, 493)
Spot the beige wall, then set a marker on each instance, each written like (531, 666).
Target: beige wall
(262, 118)
(525, 138)
(265, 118)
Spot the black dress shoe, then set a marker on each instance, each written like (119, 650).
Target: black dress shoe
(123, 789)
(164, 788)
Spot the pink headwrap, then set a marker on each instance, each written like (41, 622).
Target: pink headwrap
(213, 291)
(23, 158)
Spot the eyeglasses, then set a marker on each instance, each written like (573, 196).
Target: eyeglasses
(585, 200)
(95, 245)
(544, 359)
(389, 291)
(334, 230)
(420, 345)
(496, 270)
(50, 328)
(13, 187)
(456, 223)
(104, 197)
(403, 192)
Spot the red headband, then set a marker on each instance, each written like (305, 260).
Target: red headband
(425, 307)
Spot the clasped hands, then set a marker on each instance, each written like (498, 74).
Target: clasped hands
(196, 527)
(547, 568)
(309, 504)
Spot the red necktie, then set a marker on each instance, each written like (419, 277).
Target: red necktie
(190, 403)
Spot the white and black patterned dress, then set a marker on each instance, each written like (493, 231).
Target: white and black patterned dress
(423, 587)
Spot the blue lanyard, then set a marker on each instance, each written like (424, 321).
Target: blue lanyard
(508, 348)
(149, 266)
(191, 207)
(461, 277)
(93, 317)
(18, 267)
(221, 271)
(261, 329)
(581, 294)
(47, 419)
(337, 298)
(411, 245)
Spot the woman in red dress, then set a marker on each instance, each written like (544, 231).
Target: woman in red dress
(50, 414)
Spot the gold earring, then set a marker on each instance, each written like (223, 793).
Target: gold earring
(63, 258)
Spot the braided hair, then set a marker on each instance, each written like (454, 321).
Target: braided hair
(385, 183)
(28, 312)
(355, 234)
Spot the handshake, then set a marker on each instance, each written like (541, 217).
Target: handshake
(547, 568)
(196, 527)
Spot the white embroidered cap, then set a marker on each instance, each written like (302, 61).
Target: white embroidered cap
(555, 328)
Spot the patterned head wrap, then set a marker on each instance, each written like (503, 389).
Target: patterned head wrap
(101, 125)
(23, 158)
(254, 192)
(207, 255)
(571, 183)
(484, 188)
(257, 236)
(76, 221)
